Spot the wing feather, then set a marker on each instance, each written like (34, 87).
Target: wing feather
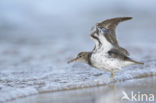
(115, 53)
(111, 24)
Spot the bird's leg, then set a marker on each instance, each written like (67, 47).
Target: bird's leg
(113, 75)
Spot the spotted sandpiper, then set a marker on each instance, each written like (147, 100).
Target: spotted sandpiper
(107, 54)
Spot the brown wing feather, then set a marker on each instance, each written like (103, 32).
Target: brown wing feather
(111, 25)
(124, 51)
(115, 53)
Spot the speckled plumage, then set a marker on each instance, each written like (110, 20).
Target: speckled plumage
(109, 61)
(107, 54)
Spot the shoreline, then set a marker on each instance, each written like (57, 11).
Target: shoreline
(82, 89)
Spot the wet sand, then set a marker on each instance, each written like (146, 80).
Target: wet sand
(36, 43)
(111, 93)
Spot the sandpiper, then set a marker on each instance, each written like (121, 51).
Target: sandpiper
(107, 54)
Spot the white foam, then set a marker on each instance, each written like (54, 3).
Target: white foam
(34, 71)
(39, 65)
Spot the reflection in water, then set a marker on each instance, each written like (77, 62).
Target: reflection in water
(113, 96)
(104, 94)
(36, 38)
(141, 90)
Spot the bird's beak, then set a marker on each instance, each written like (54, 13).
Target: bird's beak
(75, 59)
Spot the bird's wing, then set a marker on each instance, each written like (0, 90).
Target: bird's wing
(116, 53)
(94, 37)
(101, 39)
(111, 25)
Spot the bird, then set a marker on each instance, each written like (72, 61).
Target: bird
(107, 54)
(110, 26)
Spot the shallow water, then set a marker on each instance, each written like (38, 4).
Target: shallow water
(111, 93)
(36, 43)
(26, 73)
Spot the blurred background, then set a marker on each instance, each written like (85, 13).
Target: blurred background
(59, 20)
(38, 37)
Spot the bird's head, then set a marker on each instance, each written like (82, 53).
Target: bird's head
(81, 57)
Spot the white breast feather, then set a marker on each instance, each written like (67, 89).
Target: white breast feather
(103, 61)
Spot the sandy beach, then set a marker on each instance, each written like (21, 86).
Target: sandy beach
(37, 38)
(111, 93)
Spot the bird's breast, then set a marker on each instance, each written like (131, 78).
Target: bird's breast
(104, 62)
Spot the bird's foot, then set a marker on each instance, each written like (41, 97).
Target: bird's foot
(112, 75)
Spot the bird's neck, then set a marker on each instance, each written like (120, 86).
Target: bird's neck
(88, 59)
